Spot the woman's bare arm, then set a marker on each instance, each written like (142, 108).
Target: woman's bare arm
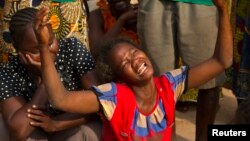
(222, 58)
(14, 111)
(97, 33)
(76, 102)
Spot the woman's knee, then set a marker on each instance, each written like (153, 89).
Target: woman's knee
(4, 134)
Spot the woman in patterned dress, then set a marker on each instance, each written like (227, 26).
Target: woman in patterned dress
(23, 91)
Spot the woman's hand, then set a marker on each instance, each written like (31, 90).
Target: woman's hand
(32, 61)
(40, 118)
(129, 15)
(41, 27)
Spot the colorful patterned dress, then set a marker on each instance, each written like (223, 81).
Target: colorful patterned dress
(68, 18)
(241, 62)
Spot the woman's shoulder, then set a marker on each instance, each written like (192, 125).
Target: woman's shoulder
(71, 42)
(176, 72)
(12, 65)
(112, 87)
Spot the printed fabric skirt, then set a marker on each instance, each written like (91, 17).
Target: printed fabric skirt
(241, 64)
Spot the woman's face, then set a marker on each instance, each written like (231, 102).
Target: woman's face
(29, 45)
(131, 64)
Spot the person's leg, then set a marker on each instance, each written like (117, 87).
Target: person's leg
(207, 107)
(182, 106)
(38, 135)
(91, 131)
(3, 130)
(197, 42)
(239, 100)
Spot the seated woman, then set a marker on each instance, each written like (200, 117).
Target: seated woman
(21, 85)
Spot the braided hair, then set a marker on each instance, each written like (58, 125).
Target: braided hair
(19, 22)
(108, 74)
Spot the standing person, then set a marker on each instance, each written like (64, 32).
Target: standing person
(21, 85)
(112, 18)
(172, 29)
(137, 106)
(241, 61)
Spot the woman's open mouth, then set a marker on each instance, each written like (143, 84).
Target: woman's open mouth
(142, 69)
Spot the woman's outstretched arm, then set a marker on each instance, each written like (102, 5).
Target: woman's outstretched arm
(222, 58)
(75, 102)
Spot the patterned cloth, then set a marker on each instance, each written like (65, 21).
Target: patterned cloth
(68, 20)
(73, 60)
(192, 94)
(109, 21)
(241, 64)
(118, 101)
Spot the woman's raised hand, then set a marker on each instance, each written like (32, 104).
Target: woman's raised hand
(41, 27)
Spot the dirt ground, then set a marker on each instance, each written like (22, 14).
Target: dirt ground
(185, 122)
